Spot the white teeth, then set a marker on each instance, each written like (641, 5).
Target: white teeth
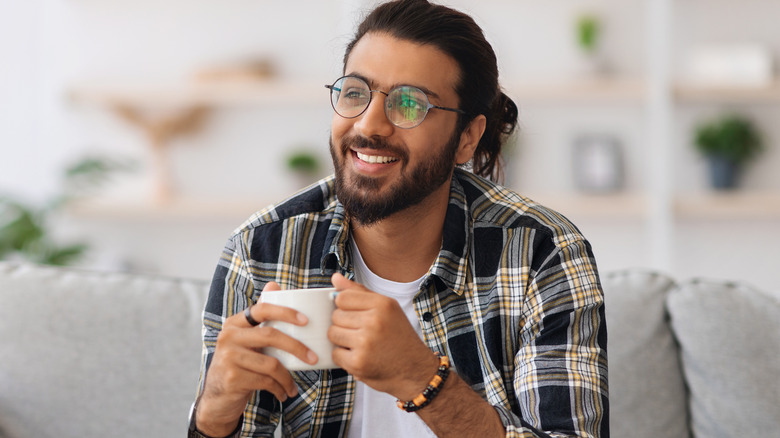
(375, 159)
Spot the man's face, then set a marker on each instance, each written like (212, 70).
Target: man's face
(382, 169)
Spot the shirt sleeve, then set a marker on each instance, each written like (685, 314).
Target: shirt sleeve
(560, 375)
(232, 290)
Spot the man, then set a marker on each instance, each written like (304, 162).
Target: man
(430, 261)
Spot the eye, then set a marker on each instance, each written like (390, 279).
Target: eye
(354, 92)
(410, 100)
(409, 104)
(355, 95)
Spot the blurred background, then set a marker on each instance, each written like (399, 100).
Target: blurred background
(138, 135)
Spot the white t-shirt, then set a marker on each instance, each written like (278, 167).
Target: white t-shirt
(375, 414)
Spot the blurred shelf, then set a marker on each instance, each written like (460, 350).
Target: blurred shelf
(728, 206)
(634, 91)
(178, 209)
(625, 206)
(617, 206)
(738, 205)
(200, 93)
(692, 93)
(274, 92)
(587, 90)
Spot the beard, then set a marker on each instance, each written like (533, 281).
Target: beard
(360, 195)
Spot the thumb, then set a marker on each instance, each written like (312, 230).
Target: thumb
(341, 283)
(271, 285)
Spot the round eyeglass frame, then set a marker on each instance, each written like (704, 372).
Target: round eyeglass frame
(334, 90)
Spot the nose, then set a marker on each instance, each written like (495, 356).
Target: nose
(373, 121)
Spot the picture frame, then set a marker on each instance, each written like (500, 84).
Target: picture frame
(597, 162)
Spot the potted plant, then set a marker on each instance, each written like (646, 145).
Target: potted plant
(588, 30)
(26, 229)
(304, 165)
(728, 143)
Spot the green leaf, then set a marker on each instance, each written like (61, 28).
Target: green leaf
(20, 226)
(303, 162)
(733, 137)
(91, 172)
(588, 30)
(64, 255)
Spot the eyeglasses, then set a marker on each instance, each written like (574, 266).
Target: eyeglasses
(405, 106)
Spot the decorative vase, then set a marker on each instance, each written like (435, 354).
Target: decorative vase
(591, 65)
(723, 172)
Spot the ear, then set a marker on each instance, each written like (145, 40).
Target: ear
(469, 139)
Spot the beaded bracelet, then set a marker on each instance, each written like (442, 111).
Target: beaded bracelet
(424, 398)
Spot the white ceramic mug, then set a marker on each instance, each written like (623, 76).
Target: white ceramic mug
(318, 305)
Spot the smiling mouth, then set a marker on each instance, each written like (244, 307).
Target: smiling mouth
(375, 159)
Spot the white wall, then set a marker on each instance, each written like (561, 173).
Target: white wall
(20, 98)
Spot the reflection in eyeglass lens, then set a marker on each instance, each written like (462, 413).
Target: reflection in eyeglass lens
(406, 106)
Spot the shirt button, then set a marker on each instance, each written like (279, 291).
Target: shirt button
(427, 316)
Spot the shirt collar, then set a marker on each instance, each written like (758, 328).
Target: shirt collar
(450, 267)
(335, 257)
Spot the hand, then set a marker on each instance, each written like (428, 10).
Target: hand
(376, 343)
(238, 368)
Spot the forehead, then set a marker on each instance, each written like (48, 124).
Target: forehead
(387, 61)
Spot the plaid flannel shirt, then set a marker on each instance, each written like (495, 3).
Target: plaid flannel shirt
(514, 296)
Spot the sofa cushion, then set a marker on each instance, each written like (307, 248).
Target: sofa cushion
(730, 340)
(96, 354)
(646, 388)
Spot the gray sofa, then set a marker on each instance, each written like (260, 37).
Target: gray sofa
(91, 354)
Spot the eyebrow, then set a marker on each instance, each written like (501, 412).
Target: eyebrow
(371, 84)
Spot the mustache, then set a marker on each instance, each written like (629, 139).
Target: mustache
(377, 144)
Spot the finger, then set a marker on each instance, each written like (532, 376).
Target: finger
(274, 377)
(262, 312)
(348, 360)
(349, 319)
(281, 385)
(271, 285)
(362, 299)
(239, 352)
(262, 382)
(342, 283)
(352, 295)
(341, 357)
(264, 337)
(257, 371)
(344, 337)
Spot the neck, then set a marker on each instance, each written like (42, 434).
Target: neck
(403, 246)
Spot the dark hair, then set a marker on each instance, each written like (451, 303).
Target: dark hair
(457, 35)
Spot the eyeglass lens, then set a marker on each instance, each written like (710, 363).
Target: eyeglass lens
(405, 106)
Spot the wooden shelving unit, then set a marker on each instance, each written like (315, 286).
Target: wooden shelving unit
(635, 206)
(177, 209)
(728, 206)
(581, 91)
(198, 93)
(657, 203)
(692, 93)
(582, 206)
